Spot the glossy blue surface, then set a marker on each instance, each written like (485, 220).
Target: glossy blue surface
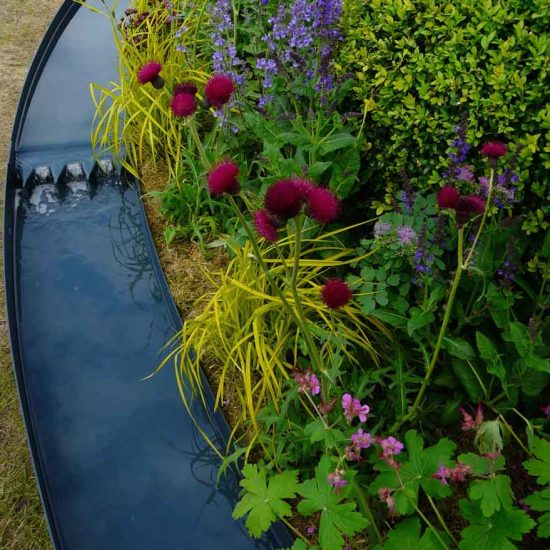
(124, 465)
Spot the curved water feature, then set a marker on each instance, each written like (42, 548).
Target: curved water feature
(119, 463)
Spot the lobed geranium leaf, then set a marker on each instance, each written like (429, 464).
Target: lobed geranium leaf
(493, 533)
(493, 493)
(406, 536)
(337, 518)
(540, 467)
(264, 502)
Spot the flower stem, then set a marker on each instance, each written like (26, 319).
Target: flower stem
(483, 220)
(198, 143)
(366, 508)
(427, 377)
(440, 518)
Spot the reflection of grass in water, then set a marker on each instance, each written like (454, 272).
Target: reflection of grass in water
(22, 525)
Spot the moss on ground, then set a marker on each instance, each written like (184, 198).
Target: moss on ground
(22, 524)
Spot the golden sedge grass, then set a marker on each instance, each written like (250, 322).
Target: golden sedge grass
(134, 122)
(245, 328)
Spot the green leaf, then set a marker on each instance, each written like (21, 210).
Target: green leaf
(537, 363)
(419, 318)
(540, 467)
(459, 348)
(337, 140)
(477, 463)
(264, 503)
(337, 518)
(493, 493)
(317, 169)
(406, 536)
(521, 339)
(489, 354)
(493, 533)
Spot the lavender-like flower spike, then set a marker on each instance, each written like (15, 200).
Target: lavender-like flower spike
(459, 149)
(225, 59)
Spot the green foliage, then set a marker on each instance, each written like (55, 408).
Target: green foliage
(338, 518)
(416, 472)
(265, 502)
(407, 536)
(539, 467)
(495, 532)
(420, 64)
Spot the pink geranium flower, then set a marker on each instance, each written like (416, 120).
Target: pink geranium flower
(352, 408)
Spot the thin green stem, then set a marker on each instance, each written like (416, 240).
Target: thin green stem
(435, 356)
(364, 503)
(198, 143)
(468, 259)
(432, 528)
(293, 529)
(440, 518)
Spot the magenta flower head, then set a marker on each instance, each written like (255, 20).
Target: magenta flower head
(336, 480)
(284, 199)
(361, 439)
(448, 197)
(150, 72)
(219, 90)
(493, 149)
(223, 179)
(336, 293)
(185, 88)
(352, 408)
(391, 447)
(307, 382)
(265, 226)
(183, 105)
(469, 206)
(323, 206)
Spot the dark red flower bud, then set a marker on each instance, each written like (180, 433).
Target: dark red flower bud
(265, 226)
(448, 197)
(223, 179)
(476, 203)
(336, 293)
(493, 149)
(219, 90)
(185, 88)
(183, 105)
(323, 206)
(285, 198)
(468, 207)
(149, 72)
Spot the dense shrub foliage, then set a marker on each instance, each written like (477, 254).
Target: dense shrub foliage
(421, 64)
(388, 377)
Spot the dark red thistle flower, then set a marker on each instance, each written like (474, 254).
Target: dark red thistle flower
(219, 90)
(264, 225)
(284, 199)
(476, 203)
(150, 72)
(448, 197)
(336, 293)
(183, 105)
(493, 149)
(223, 179)
(323, 206)
(185, 88)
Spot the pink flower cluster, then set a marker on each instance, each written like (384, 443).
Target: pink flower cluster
(385, 494)
(307, 382)
(285, 199)
(458, 473)
(469, 422)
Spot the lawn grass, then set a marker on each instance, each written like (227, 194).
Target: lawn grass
(22, 524)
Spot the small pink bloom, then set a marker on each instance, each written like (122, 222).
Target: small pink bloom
(323, 206)
(442, 474)
(264, 225)
(325, 408)
(391, 447)
(352, 408)
(385, 496)
(469, 423)
(460, 471)
(336, 480)
(361, 439)
(546, 411)
(307, 382)
(353, 453)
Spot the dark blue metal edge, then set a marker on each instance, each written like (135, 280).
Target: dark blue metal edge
(279, 534)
